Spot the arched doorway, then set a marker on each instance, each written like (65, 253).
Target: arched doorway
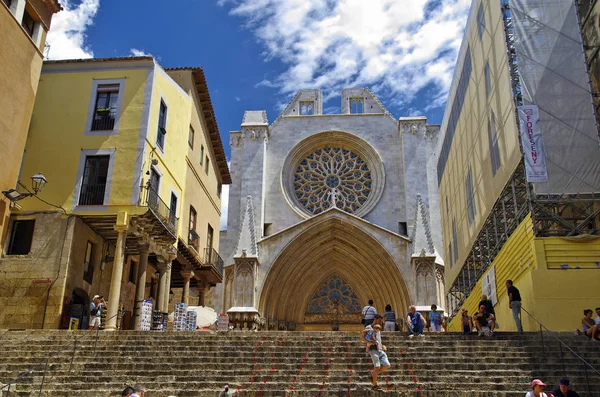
(330, 250)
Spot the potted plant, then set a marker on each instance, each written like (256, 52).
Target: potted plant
(103, 111)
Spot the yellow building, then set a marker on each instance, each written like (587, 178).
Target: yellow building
(109, 134)
(23, 28)
(500, 221)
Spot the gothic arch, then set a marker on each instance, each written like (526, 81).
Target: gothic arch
(333, 246)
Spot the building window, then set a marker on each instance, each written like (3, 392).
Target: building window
(28, 23)
(88, 265)
(402, 228)
(470, 194)
(201, 154)
(105, 110)
(457, 105)
(356, 105)
(267, 229)
(219, 189)
(173, 208)
(162, 125)
(306, 108)
(193, 236)
(488, 80)
(450, 255)
(206, 164)
(95, 176)
(481, 20)
(447, 206)
(454, 258)
(191, 137)
(21, 237)
(494, 148)
(209, 237)
(133, 271)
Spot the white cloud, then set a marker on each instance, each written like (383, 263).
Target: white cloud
(395, 47)
(66, 38)
(139, 53)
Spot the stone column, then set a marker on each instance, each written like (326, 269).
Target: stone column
(162, 278)
(167, 288)
(140, 287)
(185, 295)
(435, 285)
(114, 295)
(201, 289)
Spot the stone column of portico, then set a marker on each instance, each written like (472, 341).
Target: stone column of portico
(114, 295)
(167, 288)
(201, 288)
(435, 285)
(140, 287)
(185, 295)
(163, 267)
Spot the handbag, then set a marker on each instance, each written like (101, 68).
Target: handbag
(362, 321)
(397, 327)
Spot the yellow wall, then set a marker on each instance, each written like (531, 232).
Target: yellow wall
(20, 63)
(554, 297)
(470, 146)
(201, 187)
(57, 134)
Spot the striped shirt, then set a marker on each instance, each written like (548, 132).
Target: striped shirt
(390, 316)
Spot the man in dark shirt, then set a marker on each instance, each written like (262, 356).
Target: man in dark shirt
(564, 390)
(484, 321)
(514, 302)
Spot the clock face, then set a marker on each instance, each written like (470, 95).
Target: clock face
(331, 175)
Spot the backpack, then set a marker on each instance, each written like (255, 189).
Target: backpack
(95, 310)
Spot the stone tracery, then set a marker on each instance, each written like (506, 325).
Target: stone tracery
(332, 176)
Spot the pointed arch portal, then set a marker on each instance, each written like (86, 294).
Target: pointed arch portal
(334, 251)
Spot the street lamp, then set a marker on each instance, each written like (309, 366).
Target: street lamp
(38, 181)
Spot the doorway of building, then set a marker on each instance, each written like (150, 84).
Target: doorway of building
(79, 310)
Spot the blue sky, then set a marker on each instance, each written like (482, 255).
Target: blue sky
(257, 53)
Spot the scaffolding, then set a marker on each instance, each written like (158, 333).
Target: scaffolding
(551, 214)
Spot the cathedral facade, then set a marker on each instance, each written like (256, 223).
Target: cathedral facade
(327, 211)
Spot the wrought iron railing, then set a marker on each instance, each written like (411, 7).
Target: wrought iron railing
(159, 208)
(194, 240)
(212, 258)
(92, 194)
(104, 120)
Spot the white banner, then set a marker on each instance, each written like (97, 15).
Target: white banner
(488, 285)
(531, 139)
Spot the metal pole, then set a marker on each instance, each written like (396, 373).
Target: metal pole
(562, 360)
(542, 337)
(44, 376)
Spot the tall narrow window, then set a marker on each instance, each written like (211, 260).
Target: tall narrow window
(191, 137)
(28, 23)
(454, 241)
(201, 154)
(105, 110)
(356, 105)
(470, 194)
(162, 125)
(154, 184)
(206, 165)
(21, 237)
(493, 141)
(481, 20)
(193, 236)
(209, 237)
(173, 208)
(306, 108)
(488, 80)
(95, 176)
(450, 255)
(88, 265)
(219, 189)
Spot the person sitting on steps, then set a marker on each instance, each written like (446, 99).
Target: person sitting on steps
(538, 389)
(415, 322)
(484, 322)
(467, 322)
(590, 328)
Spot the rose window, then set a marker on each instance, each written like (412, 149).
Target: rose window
(332, 176)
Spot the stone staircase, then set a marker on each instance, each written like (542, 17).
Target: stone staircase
(285, 364)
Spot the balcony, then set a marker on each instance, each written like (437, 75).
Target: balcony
(194, 240)
(104, 120)
(212, 258)
(92, 194)
(160, 209)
